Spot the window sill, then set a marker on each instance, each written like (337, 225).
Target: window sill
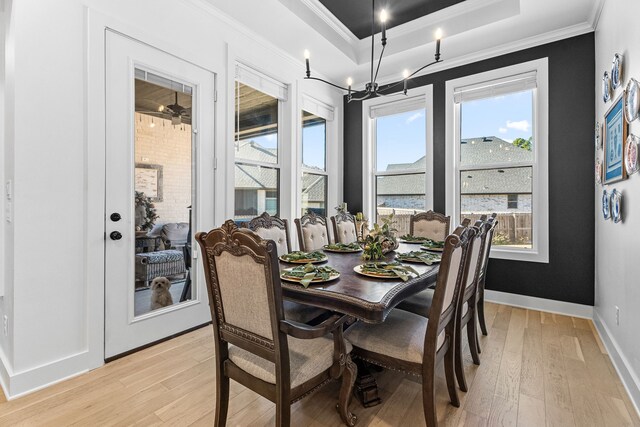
(525, 255)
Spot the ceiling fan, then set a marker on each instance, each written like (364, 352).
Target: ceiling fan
(176, 111)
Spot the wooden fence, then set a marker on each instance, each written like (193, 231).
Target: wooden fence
(513, 228)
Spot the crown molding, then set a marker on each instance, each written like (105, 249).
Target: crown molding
(330, 19)
(596, 11)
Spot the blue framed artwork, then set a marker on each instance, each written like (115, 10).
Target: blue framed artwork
(615, 137)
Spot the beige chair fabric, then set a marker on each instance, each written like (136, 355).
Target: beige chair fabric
(434, 230)
(308, 358)
(400, 336)
(455, 265)
(473, 262)
(276, 234)
(314, 236)
(243, 284)
(420, 303)
(346, 232)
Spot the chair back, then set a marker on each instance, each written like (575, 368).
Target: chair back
(430, 224)
(242, 275)
(475, 251)
(272, 228)
(344, 228)
(448, 284)
(490, 227)
(313, 232)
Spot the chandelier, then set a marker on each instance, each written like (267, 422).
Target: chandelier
(372, 88)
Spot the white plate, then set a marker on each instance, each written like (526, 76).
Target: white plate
(631, 154)
(606, 87)
(631, 100)
(616, 71)
(598, 171)
(616, 206)
(598, 138)
(606, 205)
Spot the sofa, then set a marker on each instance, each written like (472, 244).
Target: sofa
(168, 261)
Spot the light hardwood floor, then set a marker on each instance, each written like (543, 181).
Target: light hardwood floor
(537, 368)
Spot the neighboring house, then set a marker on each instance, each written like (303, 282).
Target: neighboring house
(506, 190)
(257, 187)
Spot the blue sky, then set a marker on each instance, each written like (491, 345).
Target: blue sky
(401, 137)
(313, 145)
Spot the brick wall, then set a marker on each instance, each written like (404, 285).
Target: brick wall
(169, 146)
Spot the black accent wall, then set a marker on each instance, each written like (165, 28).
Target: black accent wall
(569, 275)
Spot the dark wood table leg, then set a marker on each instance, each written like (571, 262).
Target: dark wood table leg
(366, 388)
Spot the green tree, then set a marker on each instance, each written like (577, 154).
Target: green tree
(523, 143)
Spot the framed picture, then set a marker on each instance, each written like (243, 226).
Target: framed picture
(148, 180)
(615, 137)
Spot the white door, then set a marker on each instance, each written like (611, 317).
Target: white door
(159, 130)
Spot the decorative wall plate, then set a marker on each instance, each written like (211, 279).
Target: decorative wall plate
(616, 71)
(598, 136)
(606, 87)
(616, 206)
(606, 205)
(599, 171)
(631, 154)
(632, 100)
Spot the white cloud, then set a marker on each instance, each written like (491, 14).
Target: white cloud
(414, 117)
(502, 130)
(522, 125)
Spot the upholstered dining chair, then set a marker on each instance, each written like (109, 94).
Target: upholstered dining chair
(313, 232)
(490, 225)
(344, 228)
(276, 229)
(279, 359)
(430, 224)
(411, 343)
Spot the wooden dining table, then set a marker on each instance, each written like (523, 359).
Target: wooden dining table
(367, 299)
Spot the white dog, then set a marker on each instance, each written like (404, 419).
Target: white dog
(160, 295)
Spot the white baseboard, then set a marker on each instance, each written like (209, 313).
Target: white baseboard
(4, 373)
(540, 304)
(20, 383)
(628, 377)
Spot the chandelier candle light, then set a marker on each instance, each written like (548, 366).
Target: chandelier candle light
(372, 88)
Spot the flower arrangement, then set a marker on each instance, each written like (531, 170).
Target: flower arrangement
(145, 212)
(379, 240)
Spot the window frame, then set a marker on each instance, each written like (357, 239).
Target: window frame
(540, 164)
(278, 164)
(326, 112)
(369, 166)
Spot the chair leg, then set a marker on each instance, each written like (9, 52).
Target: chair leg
(462, 382)
(472, 336)
(483, 325)
(346, 391)
(451, 379)
(222, 400)
(429, 395)
(283, 413)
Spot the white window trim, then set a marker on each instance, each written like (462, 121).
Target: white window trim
(540, 251)
(369, 149)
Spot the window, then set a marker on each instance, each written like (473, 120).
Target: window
(256, 144)
(498, 151)
(399, 171)
(314, 170)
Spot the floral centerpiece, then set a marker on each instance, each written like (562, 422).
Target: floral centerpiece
(379, 240)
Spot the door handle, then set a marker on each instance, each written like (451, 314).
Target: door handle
(115, 235)
(115, 217)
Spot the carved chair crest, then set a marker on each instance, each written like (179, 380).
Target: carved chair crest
(266, 221)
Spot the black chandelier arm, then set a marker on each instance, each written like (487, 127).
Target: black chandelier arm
(379, 62)
(423, 67)
(324, 81)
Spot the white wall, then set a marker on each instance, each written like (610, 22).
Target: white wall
(617, 270)
(53, 298)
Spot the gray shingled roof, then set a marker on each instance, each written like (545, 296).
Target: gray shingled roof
(489, 149)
